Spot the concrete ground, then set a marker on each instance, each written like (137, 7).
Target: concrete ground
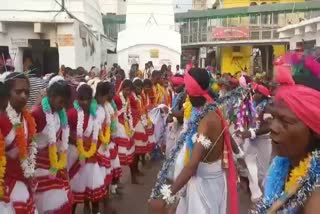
(134, 198)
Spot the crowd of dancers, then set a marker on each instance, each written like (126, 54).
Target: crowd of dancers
(214, 132)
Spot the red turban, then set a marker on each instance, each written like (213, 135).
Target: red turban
(303, 101)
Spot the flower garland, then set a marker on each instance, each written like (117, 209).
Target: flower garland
(290, 195)
(297, 173)
(142, 112)
(95, 131)
(3, 163)
(190, 134)
(114, 116)
(128, 123)
(55, 162)
(187, 107)
(27, 161)
(162, 93)
(232, 96)
(105, 136)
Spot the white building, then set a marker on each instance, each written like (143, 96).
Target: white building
(118, 7)
(150, 35)
(305, 34)
(53, 33)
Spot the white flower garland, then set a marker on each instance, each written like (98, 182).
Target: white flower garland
(167, 194)
(143, 117)
(28, 164)
(126, 110)
(203, 140)
(52, 133)
(95, 126)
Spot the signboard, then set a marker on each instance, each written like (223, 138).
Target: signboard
(133, 59)
(65, 40)
(19, 43)
(165, 62)
(227, 33)
(154, 53)
(203, 53)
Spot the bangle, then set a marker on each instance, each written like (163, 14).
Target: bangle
(253, 134)
(167, 194)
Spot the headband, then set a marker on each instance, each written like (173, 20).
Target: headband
(303, 101)
(81, 84)
(177, 80)
(54, 80)
(194, 89)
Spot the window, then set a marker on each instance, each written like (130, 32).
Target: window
(264, 17)
(253, 18)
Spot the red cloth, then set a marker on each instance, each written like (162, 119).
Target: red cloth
(262, 89)
(302, 100)
(72, 119)
(177, 81)
(231, 170)
(118, 102)
(39, 117)
(118, 86)
(194, 89)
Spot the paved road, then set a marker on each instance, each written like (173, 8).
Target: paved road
(134, 199)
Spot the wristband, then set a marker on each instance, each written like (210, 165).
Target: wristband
(167, 194)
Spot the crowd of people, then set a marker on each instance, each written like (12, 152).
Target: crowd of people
(65, 137)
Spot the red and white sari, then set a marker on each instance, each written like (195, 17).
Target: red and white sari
(140, 123)
(87, 181)
(52, 194)
(17, 198)
(113, 147)
(123, 139)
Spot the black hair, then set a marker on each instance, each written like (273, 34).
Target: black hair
(156, 73)
(138, 83)
(59, 89)
(178, 75)
(127, 84)
(34, 71)
(84, 91)
(147, 82)
(164, 68)
(122, 73)
(103, 88)
(10, 79)
(201, 76)
(309, 81)
(4, 92)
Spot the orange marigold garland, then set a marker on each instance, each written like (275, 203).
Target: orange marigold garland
(28, 161)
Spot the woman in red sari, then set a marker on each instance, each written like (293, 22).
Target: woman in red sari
(120, 76)
(124, 133)
(17, 149)
(86, 172)
(53, 190)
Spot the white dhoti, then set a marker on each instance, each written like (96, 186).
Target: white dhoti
(206, 192)
(257, 159)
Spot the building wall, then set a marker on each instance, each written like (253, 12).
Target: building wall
(72, 54)
(113, 6)
(232, 64)
(166, 56)
(56, 26)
